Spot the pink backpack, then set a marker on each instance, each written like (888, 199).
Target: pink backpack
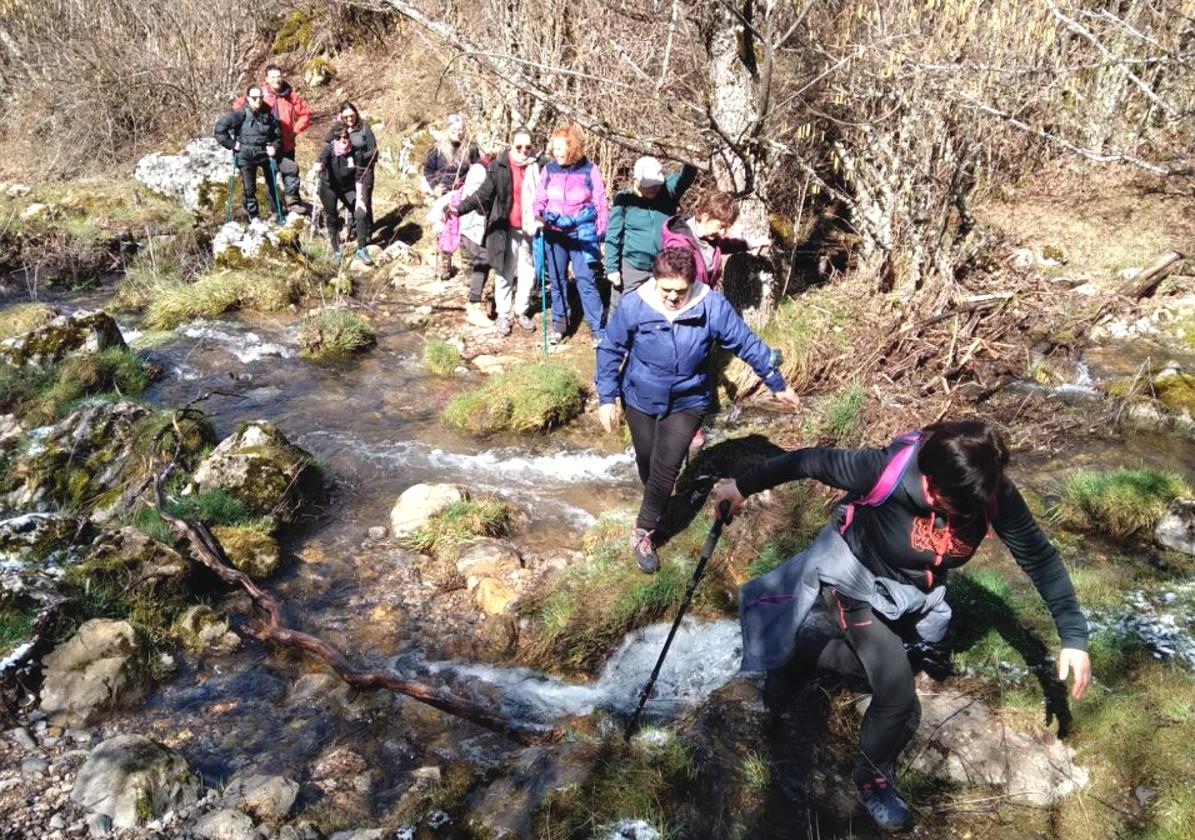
(894, 470)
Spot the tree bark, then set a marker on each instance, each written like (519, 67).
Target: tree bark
(1147, 282)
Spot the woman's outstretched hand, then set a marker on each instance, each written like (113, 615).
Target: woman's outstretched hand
(789, 397)
(1077, 663)
(726, 490)
(610, 415)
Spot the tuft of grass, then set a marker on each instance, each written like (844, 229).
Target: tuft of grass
(461, 521)
(43, 396)
(1120, 503)
(267, 289)
(212, 507)
(336, 333)
(844, 414)
(22, 318)
(527, 398)
(15, 627)
(440, 357)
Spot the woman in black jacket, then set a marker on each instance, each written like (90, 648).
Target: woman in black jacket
(914, 510)
(360, 161)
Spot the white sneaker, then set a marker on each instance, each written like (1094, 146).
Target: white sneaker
(475, 314)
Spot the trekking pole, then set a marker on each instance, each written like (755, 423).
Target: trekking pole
(232, 182)
(543, 290)
(710, 541)
(274, 192)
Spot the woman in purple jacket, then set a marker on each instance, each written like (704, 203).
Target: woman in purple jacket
(571, 202)
(664, 331)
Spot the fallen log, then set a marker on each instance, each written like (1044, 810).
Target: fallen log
(1145, 283)
(208, 550)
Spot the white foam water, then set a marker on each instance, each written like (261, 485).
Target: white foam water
(704, 656)
(245, 346)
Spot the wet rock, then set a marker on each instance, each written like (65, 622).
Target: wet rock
(487, 557)
(251, 550)
(421, 502)
(494, 596)
(40, 536)
(265, 471)
(21, 737)
(133, 780)
(266, 798)
(226, 824)
(1176, 529)
(961, 739)
(359, 834)
(78, 334)
(98, 824)
(91, 672)
(187, 177)
(344, 779)
(505, 808)
(199, 628)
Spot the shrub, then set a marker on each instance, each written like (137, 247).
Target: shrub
(336, 333)
(1120, 503)
(441, 358)
(527, 398)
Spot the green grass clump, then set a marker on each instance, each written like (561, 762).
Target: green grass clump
(336, 333)
(1120, 503)
(441, 358)
(267, 289)
(527, 398)
(15, 627)
(43, 396)
(844, 414)
(22, 318)
(461, 521)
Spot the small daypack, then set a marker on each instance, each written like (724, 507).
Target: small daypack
(893, 472)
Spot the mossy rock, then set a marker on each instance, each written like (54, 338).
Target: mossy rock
(1169, 387)
(36, 537)
(251, 549)
(199, 628)
(83, 333)
(528, 398)
(266, 472)
(336, 334)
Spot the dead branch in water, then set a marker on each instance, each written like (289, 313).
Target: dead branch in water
(208, 550)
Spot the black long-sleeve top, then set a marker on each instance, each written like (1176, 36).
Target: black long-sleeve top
(904, 539)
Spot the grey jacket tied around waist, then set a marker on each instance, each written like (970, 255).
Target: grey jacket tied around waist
(773, 607)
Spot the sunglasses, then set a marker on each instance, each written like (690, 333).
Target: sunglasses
(254, 98)
(526, 148)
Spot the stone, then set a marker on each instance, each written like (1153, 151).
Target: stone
(235, 242)
(17, 190)
(265, 471)
(225, 824)
(39, 537)
(377, 532)
(266, 798)
(189, 176)
(1176, 529)
(199, 628)
(98, 824)
(487, 557)
(251, 550)
(91, 672)
(962, 740)
(494, 596)
(36, 210)
(506, 806)
(11, 432)
(133, 780)
(421, 502)
(80, 333)
(21, 737)
(359, 834)
(34, 767)
(57, 822)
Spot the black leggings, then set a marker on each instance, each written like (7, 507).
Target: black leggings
(870, 649)
(661, 443)
(329, 196)
(479, 264)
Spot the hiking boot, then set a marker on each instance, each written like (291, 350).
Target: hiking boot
(363, 256)
(475, 315)
(555, 337)
(526, 323)
(885, 806)
(502, 326)
(645, 553)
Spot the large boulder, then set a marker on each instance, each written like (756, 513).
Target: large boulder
(81, 333)
(133, 780)
(190, 176)
(266, 472)
(421, 502)
(963, 741)
(92, 460)
(1176, 529)
(91, 672)
(225, 824)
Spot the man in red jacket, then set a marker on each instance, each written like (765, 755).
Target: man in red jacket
(294, 116)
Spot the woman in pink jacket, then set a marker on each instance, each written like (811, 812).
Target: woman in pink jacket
(571, 202)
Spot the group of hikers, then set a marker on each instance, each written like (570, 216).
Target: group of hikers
(871, 587)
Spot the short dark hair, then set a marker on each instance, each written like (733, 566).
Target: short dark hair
(347, 104)
(522, 129)
(270, 67)
(965, 460)
(675, 262)
(718, 205)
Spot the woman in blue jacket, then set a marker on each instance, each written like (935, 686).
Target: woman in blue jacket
(664, 331)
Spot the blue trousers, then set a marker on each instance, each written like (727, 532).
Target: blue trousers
(559, 251)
